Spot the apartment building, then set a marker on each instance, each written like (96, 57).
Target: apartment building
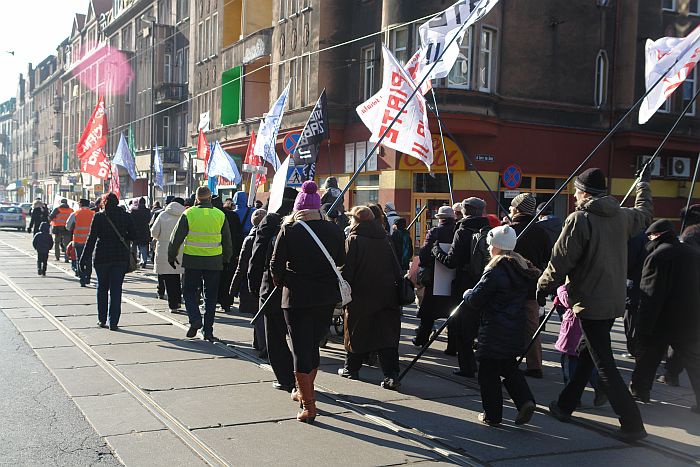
(7, 110)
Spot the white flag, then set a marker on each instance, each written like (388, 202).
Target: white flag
(222, 165)
(267, 133)
(277, 188)
(440, 30)
(660, 56)
(410, 134)
(158, 167)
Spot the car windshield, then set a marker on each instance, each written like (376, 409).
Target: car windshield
(10, 210)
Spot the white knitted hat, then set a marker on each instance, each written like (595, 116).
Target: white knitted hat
(503, 238)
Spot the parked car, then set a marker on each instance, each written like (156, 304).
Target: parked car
(14, 217)
(26, 207)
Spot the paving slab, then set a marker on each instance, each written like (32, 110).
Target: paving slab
(341, 439)
(153, 449)
(233, 405)
(41, 339)
(117, 414)
(626, 455)
(33, 324)
(87, 381)
(73, 310)
(149, 352)
(25, 312)
(194, 373)
(13, 303)
(64, 358)
(133, 319)
(129, 335)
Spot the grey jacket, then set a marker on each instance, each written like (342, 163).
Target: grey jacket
(592, 252)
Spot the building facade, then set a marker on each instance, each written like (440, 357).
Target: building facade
(7, 110)
(24, 144)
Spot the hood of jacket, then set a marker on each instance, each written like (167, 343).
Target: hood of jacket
(37, 204)
(174, 209)
(44, 227)
(473, 222)
(605, 206)
(305, 215)
(518, 267)
(551, 223)
(666, 237)
(368, 229)
(240, 199)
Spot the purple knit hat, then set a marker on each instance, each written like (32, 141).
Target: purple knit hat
(308, 198)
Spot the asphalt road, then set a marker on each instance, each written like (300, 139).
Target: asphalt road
(40, 424)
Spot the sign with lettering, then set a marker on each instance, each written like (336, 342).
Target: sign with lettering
(455, 158)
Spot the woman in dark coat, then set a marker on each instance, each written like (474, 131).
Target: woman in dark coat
(111, 258)
(402, 243)
(433, 307)
(373, 318)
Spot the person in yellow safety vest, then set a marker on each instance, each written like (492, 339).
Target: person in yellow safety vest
(79, 223)
(58, 217)
(205, 234)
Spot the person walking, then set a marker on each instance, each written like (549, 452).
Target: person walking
(373, 318)
(499, 298)
(225, 298)
(205, 233)
(669, 310)
(332, 192)
(391, 215)
(38, 214)
(592, 252)
(142, 217)
(261, 285)
(79, 223)
(310, 289)
(42, 243)
(433, 306)
(161, 230)
(110, 232)
(402, 244)
(547, 221)
(58, 217)
(533, 245)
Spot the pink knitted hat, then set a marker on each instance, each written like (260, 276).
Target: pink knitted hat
(308, 198)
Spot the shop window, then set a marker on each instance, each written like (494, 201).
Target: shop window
(425, 183)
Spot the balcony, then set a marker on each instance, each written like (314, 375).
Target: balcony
(171, 156)
(170, 93)
(56, 138)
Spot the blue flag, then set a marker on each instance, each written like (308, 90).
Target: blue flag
(213, 182)
(221, 164)
(158, 169)
(124, 157)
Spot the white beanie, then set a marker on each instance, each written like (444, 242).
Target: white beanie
(503, 238)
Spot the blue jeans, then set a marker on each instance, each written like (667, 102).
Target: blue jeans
(190, 291)
(110, 278)
(84, 276)
(143, 253)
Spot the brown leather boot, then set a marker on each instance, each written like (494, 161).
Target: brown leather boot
(305, 389)
(295, 392)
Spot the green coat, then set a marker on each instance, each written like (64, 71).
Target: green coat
(592, 252)
(215, 263)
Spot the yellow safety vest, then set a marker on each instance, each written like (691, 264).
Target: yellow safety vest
(204, 236)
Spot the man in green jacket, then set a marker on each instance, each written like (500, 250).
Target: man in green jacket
(592, 253)
(207, 247)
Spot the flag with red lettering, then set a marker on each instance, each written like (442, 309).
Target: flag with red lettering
(90, 148)
(252, 159)
(114, 181)
(679, 54)
(202, 147)
(410, 134)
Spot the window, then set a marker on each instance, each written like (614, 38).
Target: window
(694, 7)
(366, 190)
(355, 153)
(294, 76)
(167, 68)
(283, 9)
(215, 35)
(183, 9)
(666, 107)
(367, 64)
(200, 42)
(293, 7)
(601, 79)
(304, 81)
(668, 5)
(166, 131)
(180, 65)
(398, 44)
(689, 90)
(486, 59)
(207, 38)
(460, 75)
(281, 83)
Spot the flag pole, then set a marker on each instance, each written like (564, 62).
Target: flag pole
(663, 143)
(444, 150)
(690, 194)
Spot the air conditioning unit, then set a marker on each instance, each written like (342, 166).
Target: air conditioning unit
(679, 167)
(655, 166)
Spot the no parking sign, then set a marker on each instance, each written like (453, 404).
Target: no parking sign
(512, 177)
(290, 142)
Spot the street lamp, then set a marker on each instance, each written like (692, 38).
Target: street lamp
(152, 21)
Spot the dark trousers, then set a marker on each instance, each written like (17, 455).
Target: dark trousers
(388, 359)
(110, 278)
(630, 324)
(673, 365)
(281, 359)
(62, 238)
(161, 285)
(83, 275)
(650, 353)
(596, 351)
(490, 373)
(42, 259)
(463, 327)
(192, 283)
(173, 287)
(224, 296)
(306, 327)
(424, 329)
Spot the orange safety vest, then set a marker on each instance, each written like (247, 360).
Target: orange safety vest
(83, 221)
(61, 217)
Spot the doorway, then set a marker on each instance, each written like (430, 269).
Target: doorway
(427, 219)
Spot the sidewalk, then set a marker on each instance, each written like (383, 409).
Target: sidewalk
(159, 398)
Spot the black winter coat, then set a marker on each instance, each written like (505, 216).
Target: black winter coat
(248, 303)
(38, 215)
(552, 227)
(432, 306)
(104, 241)
(533, 245)
(236, 229)
(499, 297)
(43, 241)
(301, 267)
(142, 218)
(669, 305)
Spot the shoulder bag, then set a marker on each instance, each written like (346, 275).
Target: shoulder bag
(133, 261)
(404, 287)
(345, 289)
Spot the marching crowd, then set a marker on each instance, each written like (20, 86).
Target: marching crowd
(311, 259)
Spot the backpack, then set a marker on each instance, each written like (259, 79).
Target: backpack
(479, 253)
(405, 249)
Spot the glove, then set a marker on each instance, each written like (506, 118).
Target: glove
(466, 293)
(438, 254)
(541, 297)
(173, 263)
(644, 174)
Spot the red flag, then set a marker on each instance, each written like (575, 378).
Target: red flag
(202, 147)
(252, 159)
(90, 148)
(114, 182)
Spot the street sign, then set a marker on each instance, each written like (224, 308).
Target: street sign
(484, 158)
(290, 142)
(510, 194)
(295, 176)
(512, 177)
